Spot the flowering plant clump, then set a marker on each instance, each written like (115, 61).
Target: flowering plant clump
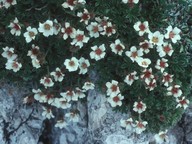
(139, 52)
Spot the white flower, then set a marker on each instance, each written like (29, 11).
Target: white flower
(61, 103)
(85, 16)
(145, 45)
(117, 47)
(108, 29)
(140, 126)
(71, 64)
(94, 28)
(134, 54)
(156, 38)
(69, 4)
(130, 1)
(151, 84)
(98, 52)
(161, 64)
(30, 34)
(173, 34)
(79, 93)
(64, 103)
(88, 86)
(68, 31)
(147, 75)
(167, 79)
(13, 65)
(79, 39)
(129, 79)
(127, 124)
(61, 124)
(83, 65)
(49, 98)
(115, 100)
(26, 100)
(8, 3)
(174, 90)
(161, 137)
(69, 95)
(103, 22)
(142, 28)
(47, 82)
(58, 75)
(165, 49)
(15, 27)
(143, 62)
(56, 27)
(9, 53)
(33, 52)
(81, 2)
(46, 28)
(139, 107)
(182, 102)
(112, 88)
(47, 113)
(73, 116)
(39, 96)
(36, 63)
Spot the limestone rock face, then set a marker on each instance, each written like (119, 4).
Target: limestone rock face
(74, 133)
(99, 124)
(106, 129)
(19, 124)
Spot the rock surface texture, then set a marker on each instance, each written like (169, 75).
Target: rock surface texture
(22, 124)
(19, 124)
(100, 125)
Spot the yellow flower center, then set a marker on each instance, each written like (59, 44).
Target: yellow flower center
(144, 63)
(31, 34)
(71, 63)
(47, 27)
(155, 39)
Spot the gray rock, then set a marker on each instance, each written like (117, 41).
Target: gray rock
(182, 132)
(96, 109)
(104, 123)
(99, 124)
(176, 135)
(63, 139)
(118, 139)
(19, 124)
(74, 133)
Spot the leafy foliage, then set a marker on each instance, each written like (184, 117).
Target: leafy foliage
(161, 112)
